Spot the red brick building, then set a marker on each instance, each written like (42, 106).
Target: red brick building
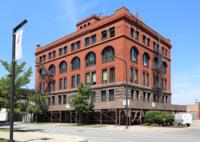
(194, 109)
(91, 55)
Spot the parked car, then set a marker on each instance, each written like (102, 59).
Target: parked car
(183, 119)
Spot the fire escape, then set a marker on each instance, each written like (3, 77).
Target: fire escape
(158, 72)
(44, 80)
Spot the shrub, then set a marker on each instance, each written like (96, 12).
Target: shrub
(158, 117)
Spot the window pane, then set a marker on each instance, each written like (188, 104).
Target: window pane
(112, 31)
(104, 35)
(104, 76)
(78, 80)
(94, 39)
(93, 77)
(87, 78)
(112, 74)
(103, 96)
(60, 84)
(111, 95)
(65, 83)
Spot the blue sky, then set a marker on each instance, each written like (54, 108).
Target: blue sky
(49, 20)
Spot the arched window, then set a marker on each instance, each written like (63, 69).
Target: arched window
(146, 60)
(63, 67)
(108, 54)
(90, 59)
(134, 54)
(52, 69)
(75, 63)
(155, 63)
(164, 67)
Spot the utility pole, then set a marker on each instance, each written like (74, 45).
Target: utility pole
(13, 79)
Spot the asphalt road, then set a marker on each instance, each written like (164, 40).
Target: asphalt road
(120, 134)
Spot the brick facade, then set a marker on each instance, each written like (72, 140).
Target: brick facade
(119, 32)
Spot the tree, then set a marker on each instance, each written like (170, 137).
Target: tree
(80, 100)
(158, 117)
(22, 78)
(37, 104)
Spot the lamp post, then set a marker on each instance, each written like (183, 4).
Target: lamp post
(126, 95)
(13, 79)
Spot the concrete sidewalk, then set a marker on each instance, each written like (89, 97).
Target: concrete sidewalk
(41, 137)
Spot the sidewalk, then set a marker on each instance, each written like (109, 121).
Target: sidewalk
(41, 137)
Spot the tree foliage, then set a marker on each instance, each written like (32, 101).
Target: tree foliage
(37, 104)
(22, 78)
(80, 101)
(158, 117)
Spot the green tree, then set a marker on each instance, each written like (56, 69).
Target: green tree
(22, 79)
(158, 117)
(80, 101)
(37, 104)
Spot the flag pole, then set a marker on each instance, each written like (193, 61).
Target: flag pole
(13, 79)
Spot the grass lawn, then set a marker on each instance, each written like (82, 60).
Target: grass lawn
(3, 140)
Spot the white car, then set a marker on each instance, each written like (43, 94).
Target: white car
(183, 119)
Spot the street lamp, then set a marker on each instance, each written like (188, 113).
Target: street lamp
(126, 95)
(13, 79)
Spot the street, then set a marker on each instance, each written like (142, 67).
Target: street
(110, 133)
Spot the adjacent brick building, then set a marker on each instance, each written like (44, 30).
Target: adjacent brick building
(194, 109)
(91, 55)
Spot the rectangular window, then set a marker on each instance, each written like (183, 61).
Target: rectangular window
(131, 75)
(148, 41)
(94, 78)
(132, 32)
(54, 85)
(65, 50)
(137, 35)
(59, 99)
(104, 35)
(87, 78)
(87, 41)
(112, 32)
(148, 97)
(94, 39)
(78, 80)
(144, 96)
(60, 51)
(65, 83)
(78, 45)
(144, 39)
(44, 58)
(60, 85)
(93, 98)
(143, 78)
(103, 96)
(147, 79)
(112, 75)
(40, 59)
(64, 99)
(132, 94)
(137, 95)
(73, 47)
(135, 76)
(53, 100)
(104, 76)
(50, 56)
(73, 82)
(54, 54)
(111, 95)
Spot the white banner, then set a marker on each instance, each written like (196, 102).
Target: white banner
(18, 45)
